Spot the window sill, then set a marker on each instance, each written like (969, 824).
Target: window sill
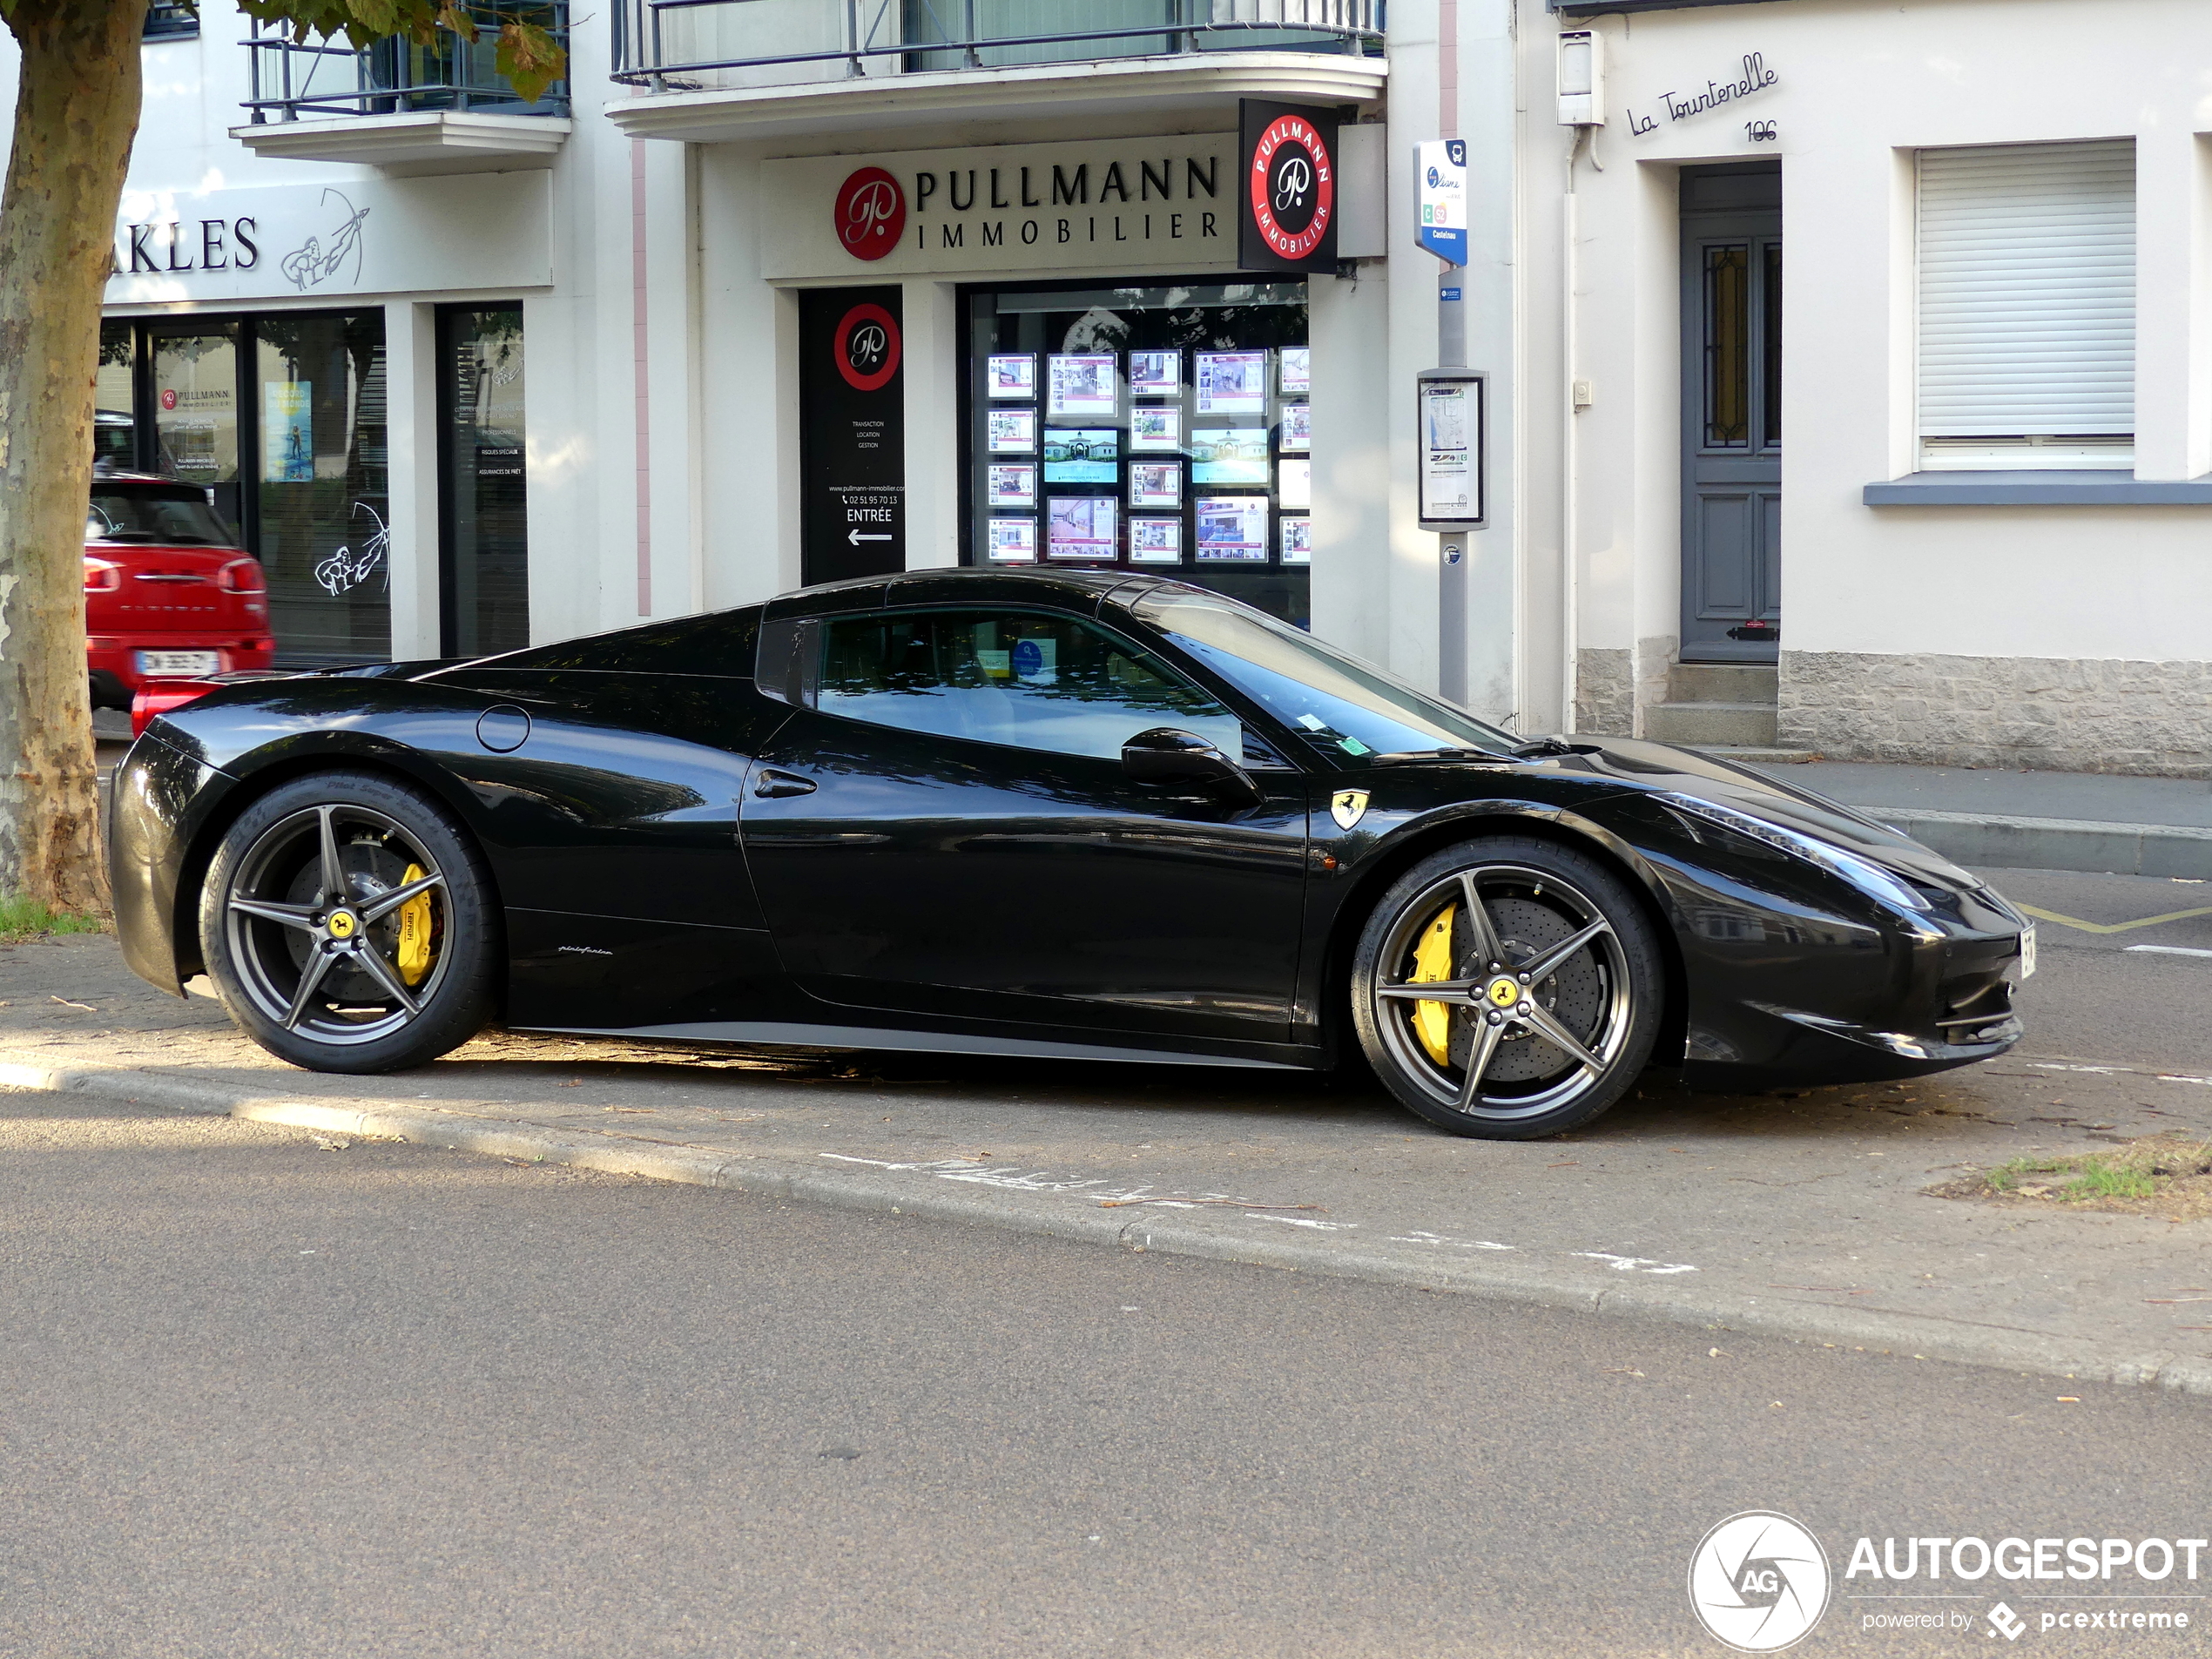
(2024, 488)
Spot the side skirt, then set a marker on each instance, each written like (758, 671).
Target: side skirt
(745, 1034)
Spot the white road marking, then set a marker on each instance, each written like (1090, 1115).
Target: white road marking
(2168, 950)
(1416, 1236)
(1016, 1178)
(1633, 1264)
(2123, 1071)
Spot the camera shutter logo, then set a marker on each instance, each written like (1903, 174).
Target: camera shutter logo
(1758, 1581)
(871, 213)
(1293, 186)
(867, 347)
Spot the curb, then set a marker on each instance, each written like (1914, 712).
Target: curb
(2054, 843)
(1059, 1217)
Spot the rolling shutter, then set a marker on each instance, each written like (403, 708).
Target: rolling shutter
(2027, 290)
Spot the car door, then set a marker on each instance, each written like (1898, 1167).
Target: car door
(944, 826)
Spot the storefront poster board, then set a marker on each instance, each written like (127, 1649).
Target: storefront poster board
(1013, 374)
(1227, 456)
(288, 432)
(1155, 373)
(1013, 485)
(1011, 432)
(1156, 541)
(1079, 527)
(1155, 428)
(1156, 483)
(1451, 456)
(853, 434)
(1081, 455)
(1080, 383)
(1013, 541)
(1233, 528)
(1232, 383)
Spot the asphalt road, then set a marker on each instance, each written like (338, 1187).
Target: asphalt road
(2125, 973)
(265, 1398)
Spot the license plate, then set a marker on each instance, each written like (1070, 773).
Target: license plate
(188, 663)
(2028, 951)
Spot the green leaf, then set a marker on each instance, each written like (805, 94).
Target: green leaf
(530, 59)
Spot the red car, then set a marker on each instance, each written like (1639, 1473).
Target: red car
(168, 592)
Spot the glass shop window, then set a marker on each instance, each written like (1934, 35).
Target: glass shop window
(1166, 427)
(485, 564)
(323, 514)
(1026, 681)
(115, 399)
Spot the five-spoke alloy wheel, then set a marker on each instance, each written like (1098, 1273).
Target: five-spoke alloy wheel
(1507, 988)
(347, 926)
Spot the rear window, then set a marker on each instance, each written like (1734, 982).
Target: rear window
(172, 515)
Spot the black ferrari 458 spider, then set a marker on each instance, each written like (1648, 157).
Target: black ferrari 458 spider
(1082, 815)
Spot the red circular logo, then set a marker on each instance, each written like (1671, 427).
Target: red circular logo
(168, 398)
(1293, 186)
(871, 213)
(867, 347)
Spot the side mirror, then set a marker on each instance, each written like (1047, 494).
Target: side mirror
(1167, 756)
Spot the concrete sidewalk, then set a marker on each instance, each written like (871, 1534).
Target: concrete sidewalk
(2041, 820)
(1806, 1216)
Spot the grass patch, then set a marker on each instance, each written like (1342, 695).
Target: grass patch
(2167, 1176)
(22, 919)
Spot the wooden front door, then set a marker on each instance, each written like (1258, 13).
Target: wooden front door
(1732, 533)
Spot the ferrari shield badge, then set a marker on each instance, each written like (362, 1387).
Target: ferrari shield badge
(1346, 805)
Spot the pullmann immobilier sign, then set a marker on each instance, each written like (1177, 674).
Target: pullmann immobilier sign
(1156, 203)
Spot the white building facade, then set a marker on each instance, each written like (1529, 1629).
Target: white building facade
(789, 290)
(1959, 487)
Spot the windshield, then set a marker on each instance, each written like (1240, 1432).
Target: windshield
(172, 515)
(1352, 713)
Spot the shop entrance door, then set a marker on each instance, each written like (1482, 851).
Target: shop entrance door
(1732, 533)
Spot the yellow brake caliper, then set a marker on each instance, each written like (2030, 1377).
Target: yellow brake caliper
(415, 931)
(1432, 962)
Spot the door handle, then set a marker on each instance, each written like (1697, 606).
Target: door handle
(774, 786)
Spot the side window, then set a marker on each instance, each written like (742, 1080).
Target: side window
(1027, 680)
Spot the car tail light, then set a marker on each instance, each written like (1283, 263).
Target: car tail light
(159, 697)
(242, 575)
(102, 576)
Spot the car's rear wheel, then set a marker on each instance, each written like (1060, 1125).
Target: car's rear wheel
(347, 923)
(1507, 988)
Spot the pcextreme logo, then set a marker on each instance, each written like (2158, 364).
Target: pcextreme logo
(1758, 1581)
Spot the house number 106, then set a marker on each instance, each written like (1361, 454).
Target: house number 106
(1760, 132)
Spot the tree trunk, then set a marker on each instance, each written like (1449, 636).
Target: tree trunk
(77, 111)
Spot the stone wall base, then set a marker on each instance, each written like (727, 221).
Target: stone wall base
(2044, 714)
(1605, 699)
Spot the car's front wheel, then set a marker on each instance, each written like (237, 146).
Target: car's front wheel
(349, 924)
(1507, 988)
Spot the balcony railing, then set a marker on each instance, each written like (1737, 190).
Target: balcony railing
(393, 77)
(682, 45)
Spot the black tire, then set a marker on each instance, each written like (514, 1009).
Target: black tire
(372, 983)
(1537, 899)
